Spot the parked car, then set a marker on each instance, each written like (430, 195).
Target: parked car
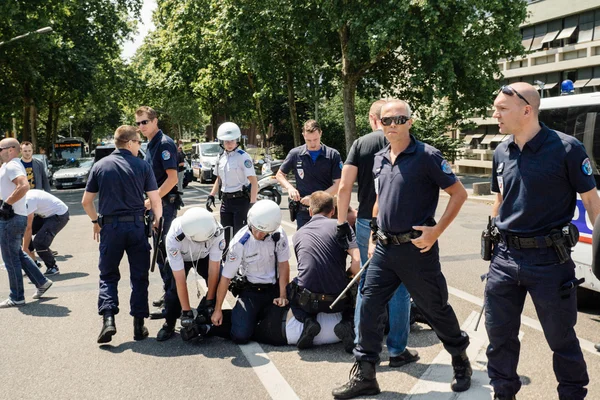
(43, 158)
(204, 158)
(73, 174)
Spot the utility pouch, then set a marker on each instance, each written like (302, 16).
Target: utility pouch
(486, 242)
(382, 237)
(558, 242)
(567, 287)
(148, 218)
(237, 285)
(293, 208)
(571, 234)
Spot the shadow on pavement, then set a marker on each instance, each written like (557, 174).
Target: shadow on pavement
(39, 309)
(63, 276)
(63, 257)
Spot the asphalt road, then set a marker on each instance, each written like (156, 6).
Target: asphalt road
(48, 348)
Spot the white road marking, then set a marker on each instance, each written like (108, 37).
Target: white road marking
(527, 321)
(263, 367)
(435, 382)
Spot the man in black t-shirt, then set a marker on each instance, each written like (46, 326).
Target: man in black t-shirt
(359, 164)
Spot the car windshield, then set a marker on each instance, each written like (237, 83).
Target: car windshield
(210, 149)
(80, 163)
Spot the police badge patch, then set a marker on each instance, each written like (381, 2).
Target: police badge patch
(586, 167)
(232, 256)
(248, 164)
(166, 155)
(222, 244)
(301, 173)
(500, 168)
(174, 252)
(341, 165)
(446, 167)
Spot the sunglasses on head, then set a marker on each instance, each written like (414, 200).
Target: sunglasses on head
(509, 91)
(144, 122)
(398, 120)
(7, 147)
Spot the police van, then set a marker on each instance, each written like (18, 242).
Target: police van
(579, 116)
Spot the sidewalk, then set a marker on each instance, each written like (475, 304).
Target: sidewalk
(468, 181)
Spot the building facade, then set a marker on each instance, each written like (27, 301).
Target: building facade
(563, 42)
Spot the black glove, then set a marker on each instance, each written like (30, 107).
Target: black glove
(187, 318)
(210, 201)
(6, 211)
(343, 235)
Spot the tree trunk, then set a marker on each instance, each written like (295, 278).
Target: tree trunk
(257, 104)
(49, 124)
(54, 135)
(33, 125)
(350, 81)
(25, 134)
(292, 106)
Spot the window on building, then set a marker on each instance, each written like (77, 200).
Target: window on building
(528, 34)
(572, 55)
(569, 28)
(586, 27)
(554, 28)
(517, 64)
(584, 75)
(544, 60)
(594, 83)
(597, 26)
(538, 37)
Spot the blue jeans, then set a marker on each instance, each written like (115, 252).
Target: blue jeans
(250, 307)
(514, 273)
(399, 305)
(15, 259)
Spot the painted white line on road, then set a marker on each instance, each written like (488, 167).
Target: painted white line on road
(261, 364)
(527, 321)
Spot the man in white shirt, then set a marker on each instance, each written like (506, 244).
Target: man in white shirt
(46, 216)
(13, 221)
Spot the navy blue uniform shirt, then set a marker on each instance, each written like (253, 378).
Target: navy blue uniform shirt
(162, 155)
(362, 155)
(409, 190)
(321, 260)
(121, 180)
(539, 184)
(312, 176)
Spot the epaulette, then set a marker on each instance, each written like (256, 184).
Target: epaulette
(245, 238)
(180, 237)
(240, 151)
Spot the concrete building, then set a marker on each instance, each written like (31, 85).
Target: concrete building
(563, 42)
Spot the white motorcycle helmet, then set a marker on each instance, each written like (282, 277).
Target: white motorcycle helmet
(228, 131)
(265, 216)
(198, 224)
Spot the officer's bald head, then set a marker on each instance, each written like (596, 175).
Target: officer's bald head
(375, 109)
(392, 102)
(529, 93)
(10, 149)
(124, 134)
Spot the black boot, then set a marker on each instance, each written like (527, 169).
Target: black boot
(159, 302)
(310, 330)
(407, 357)
(462, 373)
(362, 382)
(108, 328)
(166, 332)
(500, 397)
(140, 332)
(345, 332)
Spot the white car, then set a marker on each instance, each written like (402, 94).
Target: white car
(74, 174)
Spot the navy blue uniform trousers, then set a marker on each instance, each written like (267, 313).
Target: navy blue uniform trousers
(172, 304)
(234, 213)
(169, 214)
(117, 238)
(421, 273)
(514, 273)
(251, 307)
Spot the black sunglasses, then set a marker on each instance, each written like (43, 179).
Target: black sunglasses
(509, 91)
(144, 122)
(398, 120)
(8, 147)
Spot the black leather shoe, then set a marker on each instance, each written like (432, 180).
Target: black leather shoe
(165, 333)
(345, 332)
(140, 332)
(310, 330)
(108, 328)
(462, 373)
(362, 382)
(160, 302)
(162, 314)
(407, 357)
(499, 397)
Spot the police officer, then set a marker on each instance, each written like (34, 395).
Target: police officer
(49, 215)
(195, 240)
(260, 252)
(120, 180)
(315, 166)
(408, 177)
(359, 165)
(236, 175)
(536, 176)
(322, 272)
(161, 153)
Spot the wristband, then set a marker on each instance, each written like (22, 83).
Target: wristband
(94, 221)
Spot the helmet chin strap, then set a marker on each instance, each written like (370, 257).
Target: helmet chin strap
(253, 228)
(229, 151)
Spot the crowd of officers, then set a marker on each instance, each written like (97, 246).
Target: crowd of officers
(393, 237)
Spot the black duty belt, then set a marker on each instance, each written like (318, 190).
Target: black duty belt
(537, 242)
(234, 195)
(260, 287)
(402, 238)
(109, 219)
(317, 296)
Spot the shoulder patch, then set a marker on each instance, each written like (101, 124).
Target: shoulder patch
(248, 164)
(341, 165)
(180, 237)
(586, 167)
(445, 165)
(232, 256)
(166, 155)
(240, 151)
(222, 244)
(500, 168)
(174, 252)
(245, 238)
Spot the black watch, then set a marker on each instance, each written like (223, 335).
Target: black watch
(94, 221)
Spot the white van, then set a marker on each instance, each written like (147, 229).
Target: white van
(204, 159)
